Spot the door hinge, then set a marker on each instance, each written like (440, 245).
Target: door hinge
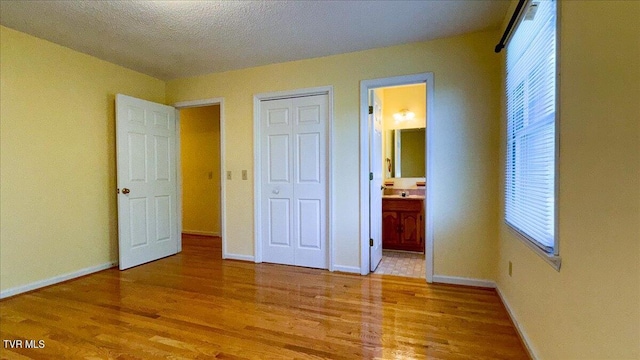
(370, 110)
(370, 176)
(370, 242)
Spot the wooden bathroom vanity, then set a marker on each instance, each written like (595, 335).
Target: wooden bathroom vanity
(403, 223)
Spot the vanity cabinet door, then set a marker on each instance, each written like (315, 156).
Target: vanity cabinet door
(402, 225)
(410, 234)
(390, 229)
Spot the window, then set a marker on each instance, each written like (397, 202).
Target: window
(530, 179)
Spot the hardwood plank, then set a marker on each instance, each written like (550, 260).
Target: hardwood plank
(196, 306)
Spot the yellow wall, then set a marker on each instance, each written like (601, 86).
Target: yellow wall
(57, 150)
(591, 308)
(200, 157)
(466, 132)
(410, 97)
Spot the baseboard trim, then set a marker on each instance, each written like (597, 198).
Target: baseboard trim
(521, 334)
(347, 269)
(201, 233)
(240, 257)
(454, 280)
(55, 280)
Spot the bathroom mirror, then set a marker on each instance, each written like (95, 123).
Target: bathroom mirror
(404, 155)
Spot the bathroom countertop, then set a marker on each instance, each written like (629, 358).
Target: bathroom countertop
(408, 197)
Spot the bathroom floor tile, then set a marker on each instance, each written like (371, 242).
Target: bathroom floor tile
(401, 264)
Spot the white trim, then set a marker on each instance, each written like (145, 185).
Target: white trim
(257, 171)
(178, 179)
(198, 103)
(455, 280)
(330, 202)
(365, 86)
(223, 183)
(257, 164)
(554, 260)
(201, 233)
(429, 159)
(223, 213)
(516, 324)
(346, 269)
(229, 256)
(286, 94)
(56, 279)
(556, 185)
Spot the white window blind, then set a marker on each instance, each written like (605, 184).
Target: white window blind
(531, 124)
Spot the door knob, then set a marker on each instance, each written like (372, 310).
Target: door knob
(126, 191)
(276, 191)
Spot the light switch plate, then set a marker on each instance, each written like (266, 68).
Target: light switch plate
(244, 174)
(228, 175)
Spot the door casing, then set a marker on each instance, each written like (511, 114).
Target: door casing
(365, 133)
(257, 167)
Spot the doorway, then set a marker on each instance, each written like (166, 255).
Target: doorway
(200, 171)
(413, 224)
(200, 166)
(402, 154)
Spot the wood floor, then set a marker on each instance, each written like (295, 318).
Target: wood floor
(195, 306)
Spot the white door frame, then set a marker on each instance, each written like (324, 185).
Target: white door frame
(365, 86)
(257, 164)
(223, 217)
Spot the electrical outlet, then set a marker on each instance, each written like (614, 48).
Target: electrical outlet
(510, 268)
(228, 175)
(244, 174)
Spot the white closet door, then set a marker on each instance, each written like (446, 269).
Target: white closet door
(310, 183)
(294, 183)
(276, 132)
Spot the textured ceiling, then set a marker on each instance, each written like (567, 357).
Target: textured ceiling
(172, 39)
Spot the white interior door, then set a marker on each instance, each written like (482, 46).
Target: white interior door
(147, 188)
(375, 185)
(294, 181)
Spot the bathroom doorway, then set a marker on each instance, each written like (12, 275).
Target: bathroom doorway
(395, 164)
